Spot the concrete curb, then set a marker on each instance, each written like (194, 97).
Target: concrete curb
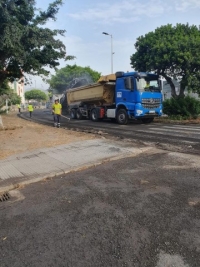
(27, 181)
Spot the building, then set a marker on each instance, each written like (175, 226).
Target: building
(167, 90)
(18, 86)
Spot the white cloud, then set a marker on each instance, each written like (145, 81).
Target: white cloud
(133, 10)
(123, 11)
(185, 5)
(97, 54)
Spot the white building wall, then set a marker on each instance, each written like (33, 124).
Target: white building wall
(167, 90)
(18, 86)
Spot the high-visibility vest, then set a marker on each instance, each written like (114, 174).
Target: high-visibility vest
(30, 107)
(57, 108)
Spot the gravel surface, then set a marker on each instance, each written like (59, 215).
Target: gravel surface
(140, 211)
(19, 135)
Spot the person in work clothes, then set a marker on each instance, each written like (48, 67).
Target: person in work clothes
(57, 111)
(19, 108)
(30, 109)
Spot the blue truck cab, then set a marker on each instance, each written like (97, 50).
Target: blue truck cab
(137, 96)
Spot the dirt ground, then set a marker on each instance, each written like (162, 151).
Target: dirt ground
(18, 135)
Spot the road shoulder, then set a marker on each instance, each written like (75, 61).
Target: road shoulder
(30, 167)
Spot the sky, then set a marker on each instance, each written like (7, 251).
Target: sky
(126, 20)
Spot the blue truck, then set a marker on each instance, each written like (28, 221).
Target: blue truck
(120, 96)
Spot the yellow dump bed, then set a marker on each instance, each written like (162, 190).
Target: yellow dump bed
(101, 93)
(107, 78)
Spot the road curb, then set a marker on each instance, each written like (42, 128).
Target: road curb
(18, 185)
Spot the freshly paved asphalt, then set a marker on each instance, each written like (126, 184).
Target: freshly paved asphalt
(142, 211)
(172, 137)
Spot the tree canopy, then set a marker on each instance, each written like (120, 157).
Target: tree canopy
(35, 94)
(67, 76)
(174, 53)
(26, 45)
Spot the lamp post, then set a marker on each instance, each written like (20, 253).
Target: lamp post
(112, 53)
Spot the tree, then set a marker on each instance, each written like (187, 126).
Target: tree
(13, 98)
(4, 88)
(35, 94)
(8, 94)
(174, 53)
(67, 76)
(26, 46)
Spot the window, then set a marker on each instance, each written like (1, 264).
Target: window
(147, 85)
(128, 83)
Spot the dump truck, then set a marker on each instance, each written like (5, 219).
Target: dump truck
(120, 96)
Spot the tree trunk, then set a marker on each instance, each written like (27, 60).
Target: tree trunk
(2, 79)
(182, 88)
(170, 82)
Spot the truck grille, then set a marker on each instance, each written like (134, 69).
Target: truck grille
(151, 103)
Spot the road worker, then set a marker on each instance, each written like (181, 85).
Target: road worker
(30, 109)
(147, 84)
(57, 111)
(19, 108)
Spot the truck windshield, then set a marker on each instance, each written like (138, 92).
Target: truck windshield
(148, 85)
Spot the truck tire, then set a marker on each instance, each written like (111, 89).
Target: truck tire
(94, 115)
(73, 113)
(122, 116)
(79, 114)
(147, 120)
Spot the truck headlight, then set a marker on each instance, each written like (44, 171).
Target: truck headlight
(139, 112)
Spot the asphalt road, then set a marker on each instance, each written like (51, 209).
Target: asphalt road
(142, 211)
(172, 137)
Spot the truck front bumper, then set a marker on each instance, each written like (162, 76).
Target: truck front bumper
(141, 112)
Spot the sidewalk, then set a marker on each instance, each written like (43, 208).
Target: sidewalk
(44, 163)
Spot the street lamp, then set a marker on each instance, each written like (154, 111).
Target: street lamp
(112, 53)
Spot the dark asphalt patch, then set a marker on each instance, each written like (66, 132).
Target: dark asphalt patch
(131, 212)
(134, 131)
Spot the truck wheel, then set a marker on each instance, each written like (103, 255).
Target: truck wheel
(73, 113)
(79, 114)
(147, 120)
(122, 117)
(94, 115)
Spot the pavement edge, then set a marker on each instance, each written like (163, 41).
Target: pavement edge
(18, 185)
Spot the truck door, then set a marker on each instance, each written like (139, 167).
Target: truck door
(125, 90)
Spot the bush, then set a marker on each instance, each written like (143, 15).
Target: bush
(3, 111)
(182, 107)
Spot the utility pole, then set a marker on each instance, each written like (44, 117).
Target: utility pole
(112, 53)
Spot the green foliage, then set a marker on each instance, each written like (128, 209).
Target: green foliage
(14, 99)
(9, 94)
(35, 94)
(4, 87)
(64, 77)
(3, 111)
(182, 107)
(26, 46)
(172, 52)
